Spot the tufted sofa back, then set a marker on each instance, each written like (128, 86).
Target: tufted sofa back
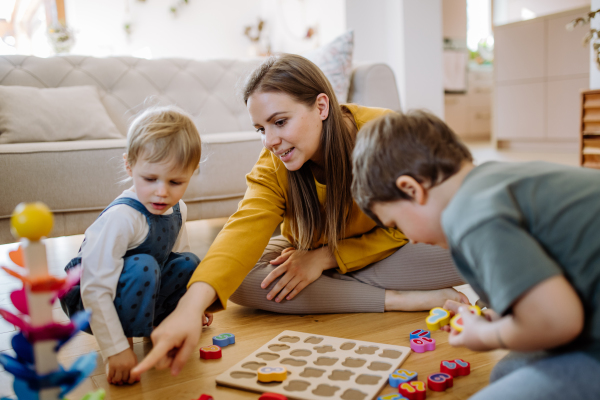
(205, 89)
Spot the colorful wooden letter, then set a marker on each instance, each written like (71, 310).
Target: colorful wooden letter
(272, 374)
(456, 367)
(437, 318)
(392, 396)
(414, 390)
(205, 397)
(210, 352)
(224, 339)
(272, 396)
(400, 376)
(422, 345)
(439, 381)
(457, 322)
(419, 333)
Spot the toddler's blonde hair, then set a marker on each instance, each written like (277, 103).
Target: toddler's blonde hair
(164, 133)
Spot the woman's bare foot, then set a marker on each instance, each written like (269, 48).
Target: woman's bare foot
(396, 300)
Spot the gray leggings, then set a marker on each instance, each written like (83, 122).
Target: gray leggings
(412, 267)
(541, 376)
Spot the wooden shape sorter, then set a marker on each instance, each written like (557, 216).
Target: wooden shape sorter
(319, 367)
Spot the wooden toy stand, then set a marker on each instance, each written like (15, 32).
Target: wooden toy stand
(319, 367)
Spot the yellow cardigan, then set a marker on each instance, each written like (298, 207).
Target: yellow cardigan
(240, 244)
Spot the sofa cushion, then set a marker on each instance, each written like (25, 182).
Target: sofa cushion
(87, 175)
(29, 114)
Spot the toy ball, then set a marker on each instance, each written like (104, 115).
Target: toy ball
(31, 220)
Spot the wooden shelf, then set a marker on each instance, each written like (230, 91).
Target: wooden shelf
(589, 138)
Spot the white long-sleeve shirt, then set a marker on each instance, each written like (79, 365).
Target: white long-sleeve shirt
(119, 229)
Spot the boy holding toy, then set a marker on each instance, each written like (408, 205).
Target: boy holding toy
(524, 235)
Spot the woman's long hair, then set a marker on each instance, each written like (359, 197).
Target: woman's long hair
(304, 81)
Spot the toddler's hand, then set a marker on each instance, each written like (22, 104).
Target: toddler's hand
(208, 319)
(476, 335)
(119, 366)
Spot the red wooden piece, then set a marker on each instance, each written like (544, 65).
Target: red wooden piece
(272, 396)
(440, 381)
(458, 367)
(205, 397)
(414, 390)
(210, 352)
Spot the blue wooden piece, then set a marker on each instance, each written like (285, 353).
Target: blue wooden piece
(392, 396)
(224, 339)
(419, 333)
(400, 376)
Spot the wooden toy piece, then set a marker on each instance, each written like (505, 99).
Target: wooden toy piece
(419, 333)
(422, 345)
(210, 352)
(272, 396)
(205, 397)
(224, 339)
(400, 376)
(458, 367)
(272, 374)
(437, 318)
(16, 256)
(414, 390)
(440, 381)
(457, 323)
(392, 396)
(40, 283)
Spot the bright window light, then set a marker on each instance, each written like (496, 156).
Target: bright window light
(479, 22)
(526, 13)
(6, 9)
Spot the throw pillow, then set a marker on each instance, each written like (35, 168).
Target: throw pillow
(335, 60)
(29, 114)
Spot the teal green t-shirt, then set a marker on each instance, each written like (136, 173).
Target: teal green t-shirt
(510, 226)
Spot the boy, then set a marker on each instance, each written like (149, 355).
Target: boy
(524, 235)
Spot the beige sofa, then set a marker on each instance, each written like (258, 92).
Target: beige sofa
(77, 179)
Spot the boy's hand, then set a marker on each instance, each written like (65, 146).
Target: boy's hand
(478, 334)
(208, 319)
(119, 366)
(299, 269)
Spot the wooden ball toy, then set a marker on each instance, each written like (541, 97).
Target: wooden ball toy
(440, 381)
(414, 390)
(422, 345)
(272, 374)
(458, 367)
(272, 396)
(224, 339)
(210, 352)
(31, 221)
(400, 376)
(457, 322)
(419, 333)
(437, 318)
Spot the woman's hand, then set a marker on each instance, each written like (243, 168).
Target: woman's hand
(177, 336)
(299, 269)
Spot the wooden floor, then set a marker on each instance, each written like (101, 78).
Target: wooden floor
(253, 328)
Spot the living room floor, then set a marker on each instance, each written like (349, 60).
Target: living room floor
(253, 328)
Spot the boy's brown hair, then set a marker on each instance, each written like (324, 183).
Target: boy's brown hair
(164, 133)
(417, 144)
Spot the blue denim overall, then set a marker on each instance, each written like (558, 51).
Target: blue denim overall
(153, 278)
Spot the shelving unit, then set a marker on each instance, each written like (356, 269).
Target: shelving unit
(589, 143)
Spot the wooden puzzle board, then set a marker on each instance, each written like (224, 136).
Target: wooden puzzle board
(319, 367)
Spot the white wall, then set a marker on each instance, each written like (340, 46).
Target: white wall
(201, 29)
(407, 35)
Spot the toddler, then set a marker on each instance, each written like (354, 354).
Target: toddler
(524, 235)
(135, 257)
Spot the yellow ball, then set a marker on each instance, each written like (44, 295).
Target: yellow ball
(31, 220)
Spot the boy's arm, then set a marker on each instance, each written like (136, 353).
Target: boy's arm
(182, 244)
(102, 259)
(549, 315)
(358, 252)
(546, 311)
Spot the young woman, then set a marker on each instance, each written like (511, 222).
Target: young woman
(302, 179)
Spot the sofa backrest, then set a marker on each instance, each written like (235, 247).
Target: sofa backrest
(206, 89)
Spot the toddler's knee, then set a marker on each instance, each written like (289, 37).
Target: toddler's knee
(143, 268)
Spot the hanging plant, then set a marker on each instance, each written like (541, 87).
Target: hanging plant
(591, 37)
